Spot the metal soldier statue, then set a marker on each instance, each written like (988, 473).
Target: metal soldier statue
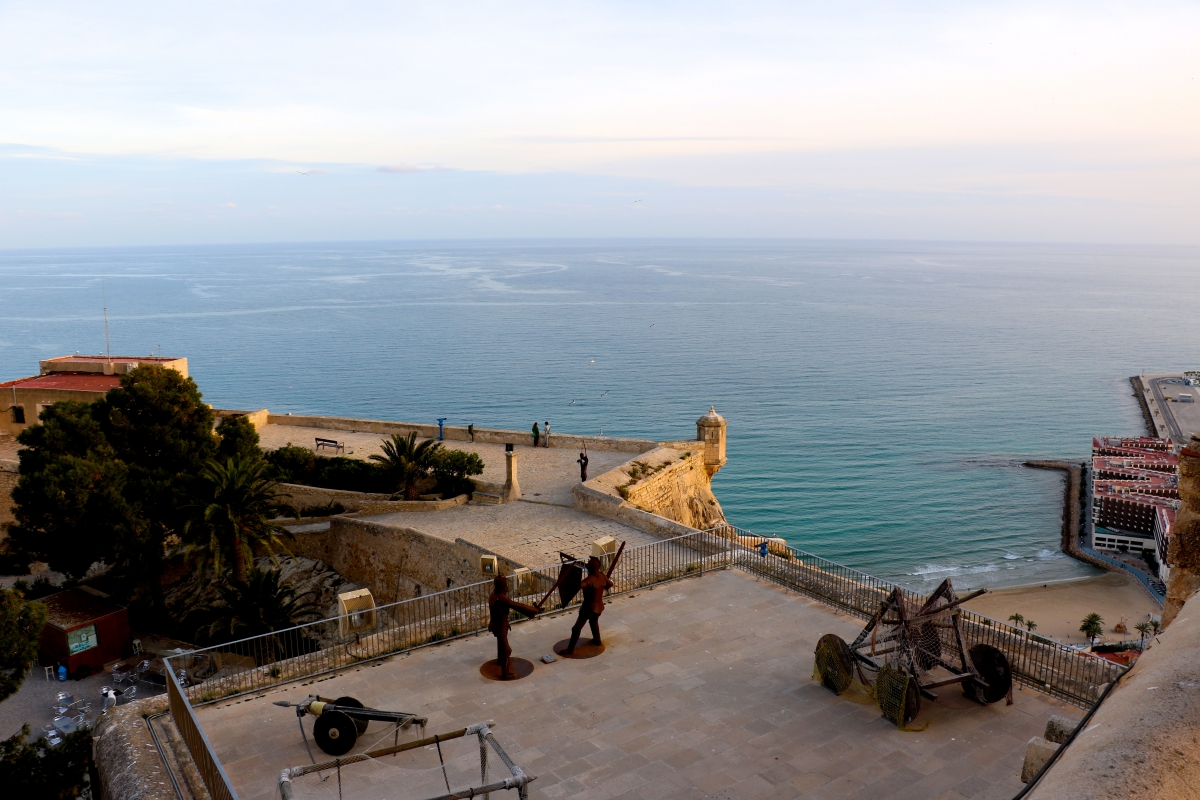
(593, 587)
(499, 604)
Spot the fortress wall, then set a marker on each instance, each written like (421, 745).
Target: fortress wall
(392, 561)
(459, 434)
(681, 492)
(608, 506)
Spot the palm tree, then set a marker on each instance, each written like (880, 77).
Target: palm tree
(1031, 625)
(1155, 626)
(1142, 628)
(1092, 626)
(235, 518)
(1016, 619)
(258, 605)
(408, 462)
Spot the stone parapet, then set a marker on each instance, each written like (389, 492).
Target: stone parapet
(460, 434)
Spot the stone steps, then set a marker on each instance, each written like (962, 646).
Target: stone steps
(486, 499)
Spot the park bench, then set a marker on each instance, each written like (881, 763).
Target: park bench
(338, 447)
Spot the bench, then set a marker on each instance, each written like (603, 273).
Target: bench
(338, 447)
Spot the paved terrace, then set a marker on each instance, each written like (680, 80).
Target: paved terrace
(546, 474)
(528, 533)
(705, 691)
(531, 531)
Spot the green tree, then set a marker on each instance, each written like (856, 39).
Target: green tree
(239, 500)
(112, 481)
(452, 468)
(20, 630)
(407, 462)
(237, 437)
(1143, 629)
(260, 604)
(1030, 625)
(1016, 619)
(37, 769)
(69, 499)
(1155, 626)
(1092, 626)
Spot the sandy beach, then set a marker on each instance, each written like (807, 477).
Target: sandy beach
(1058, 608)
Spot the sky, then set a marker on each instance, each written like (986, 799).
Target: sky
(153, 123)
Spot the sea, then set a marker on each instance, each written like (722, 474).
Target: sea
(880, 396)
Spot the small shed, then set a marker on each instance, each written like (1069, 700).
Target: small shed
(84, 627)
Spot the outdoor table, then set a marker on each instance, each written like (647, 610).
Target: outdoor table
(65, 724)
(123, 671)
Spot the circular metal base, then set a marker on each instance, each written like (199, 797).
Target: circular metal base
(583, 649)
(519, 668)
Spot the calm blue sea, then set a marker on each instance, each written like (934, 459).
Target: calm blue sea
(879, 395)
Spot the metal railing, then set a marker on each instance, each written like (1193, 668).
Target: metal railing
(207, 764)
(259, 662)
(1038, 662)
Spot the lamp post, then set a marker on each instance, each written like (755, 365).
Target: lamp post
(441, 422)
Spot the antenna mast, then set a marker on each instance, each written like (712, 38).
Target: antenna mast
(107, 346)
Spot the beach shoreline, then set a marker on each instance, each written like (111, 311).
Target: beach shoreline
(1058, 607)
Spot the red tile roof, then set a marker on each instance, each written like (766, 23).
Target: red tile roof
(67, 381)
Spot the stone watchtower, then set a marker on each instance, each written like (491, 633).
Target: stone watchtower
(710, 429)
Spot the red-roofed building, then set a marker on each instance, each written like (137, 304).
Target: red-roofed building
(1135, 494)
(84, 378)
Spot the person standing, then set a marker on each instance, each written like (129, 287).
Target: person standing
(546, 437)
(536, 434)
(471, 432)
(583, 462)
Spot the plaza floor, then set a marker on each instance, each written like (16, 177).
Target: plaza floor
(705, 691)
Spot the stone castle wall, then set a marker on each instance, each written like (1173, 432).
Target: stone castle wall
(681, 491)
(394, 562)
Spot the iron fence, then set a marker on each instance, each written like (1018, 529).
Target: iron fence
(1038, 662)
(207, 764)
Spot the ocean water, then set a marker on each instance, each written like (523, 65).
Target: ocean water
(879, 395)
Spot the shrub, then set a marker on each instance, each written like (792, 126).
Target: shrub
(300, 465)
(452, 468)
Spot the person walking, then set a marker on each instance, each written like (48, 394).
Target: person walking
(546, 437)
(583, 462)
(536, 434)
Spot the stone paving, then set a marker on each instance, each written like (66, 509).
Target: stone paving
(529, 533)
(705, 691)
(546, 474)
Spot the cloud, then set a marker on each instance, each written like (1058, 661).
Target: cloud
(398, 168)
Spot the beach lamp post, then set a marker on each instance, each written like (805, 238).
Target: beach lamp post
(441, 422)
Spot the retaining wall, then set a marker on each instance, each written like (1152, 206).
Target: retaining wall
(302, 496)
(393, 561)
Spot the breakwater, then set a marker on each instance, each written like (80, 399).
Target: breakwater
(1139, 391)
(1071, 517)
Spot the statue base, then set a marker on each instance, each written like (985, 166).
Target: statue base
(519, 667)
(583, 649)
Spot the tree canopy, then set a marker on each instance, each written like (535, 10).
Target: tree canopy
(20, 630)
(111, 481)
